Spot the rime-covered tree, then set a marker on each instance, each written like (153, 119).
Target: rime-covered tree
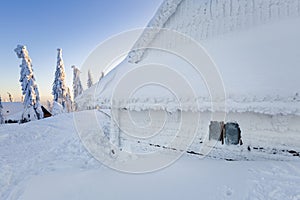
(59, 89)
(10, 97)
(69, 103)
(90, 80)
(49, 106)
(77, 86)
(32, 106)
(1, 113)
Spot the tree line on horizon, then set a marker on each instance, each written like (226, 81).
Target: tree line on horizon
(62, 101)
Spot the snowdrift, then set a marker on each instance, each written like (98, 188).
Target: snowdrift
(50, 162)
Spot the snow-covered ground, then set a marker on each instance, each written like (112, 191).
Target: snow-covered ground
(256, 52)
(46, 160)
(187, 179)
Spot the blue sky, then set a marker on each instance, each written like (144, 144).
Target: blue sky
(76, 26)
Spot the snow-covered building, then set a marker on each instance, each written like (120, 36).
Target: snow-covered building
(12, 111)
(253, 43)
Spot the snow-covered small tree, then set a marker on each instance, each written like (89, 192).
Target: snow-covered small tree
(1, 113)
(90, 80)
(32, 106)
(57, 108)
(69, 103)
(77, 86)
(10, 97)
(49, 106)
(59, 89)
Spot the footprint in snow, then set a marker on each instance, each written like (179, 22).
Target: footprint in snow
(229, 192)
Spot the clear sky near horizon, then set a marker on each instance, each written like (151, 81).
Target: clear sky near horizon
(76, 26)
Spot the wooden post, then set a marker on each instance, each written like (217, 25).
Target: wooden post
(222, 132)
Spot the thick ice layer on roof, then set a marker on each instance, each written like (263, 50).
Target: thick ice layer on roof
(204, 19)
(259, 65)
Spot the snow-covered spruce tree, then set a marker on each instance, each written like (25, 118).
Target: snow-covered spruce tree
(32, 106)
(59, 89)
(77, 87)
(1, 113)
(90, 80)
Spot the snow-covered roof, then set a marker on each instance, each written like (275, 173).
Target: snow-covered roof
(253, 43)
(204, 19)
(12, 110)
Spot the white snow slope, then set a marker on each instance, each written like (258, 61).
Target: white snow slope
(50, 162)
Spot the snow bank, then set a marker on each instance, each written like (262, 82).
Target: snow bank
(57, 108)
(48, 145)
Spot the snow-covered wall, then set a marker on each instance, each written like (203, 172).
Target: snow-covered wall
(143, 132)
